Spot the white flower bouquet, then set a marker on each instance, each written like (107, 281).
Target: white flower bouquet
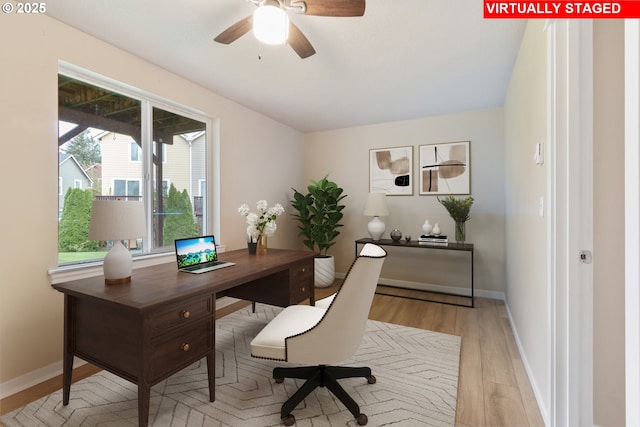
(262, 222)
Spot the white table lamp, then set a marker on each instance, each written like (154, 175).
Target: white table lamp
(376, 207)
(117, 220)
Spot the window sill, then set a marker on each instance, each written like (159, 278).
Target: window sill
(82, 271)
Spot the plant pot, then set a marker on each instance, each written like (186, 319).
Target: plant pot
(325, 271)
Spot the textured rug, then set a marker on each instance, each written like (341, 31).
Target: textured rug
(417, 373)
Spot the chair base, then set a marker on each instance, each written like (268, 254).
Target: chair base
(321, 376)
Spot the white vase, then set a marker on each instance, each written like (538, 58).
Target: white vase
(436, 230)
(427, 227)
(325, 271)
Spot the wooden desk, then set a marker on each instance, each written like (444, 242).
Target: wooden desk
(164, 320)
(466, 247)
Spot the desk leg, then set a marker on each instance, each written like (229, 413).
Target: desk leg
(211, 357)
(67, 356)
(211, 373)
(144, 395)
(472, 286)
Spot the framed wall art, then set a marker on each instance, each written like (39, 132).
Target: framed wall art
(391, 171)
(445, 168)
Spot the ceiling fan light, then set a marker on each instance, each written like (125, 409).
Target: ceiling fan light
(271, 25)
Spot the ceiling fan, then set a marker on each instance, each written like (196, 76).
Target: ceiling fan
(296, 39)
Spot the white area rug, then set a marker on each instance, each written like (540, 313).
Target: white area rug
(417, 373)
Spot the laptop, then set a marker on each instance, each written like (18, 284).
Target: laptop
(198, 255)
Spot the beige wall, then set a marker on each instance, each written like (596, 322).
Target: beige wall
(608, 224)
(344, 154)
(526, 243)
(254, 167)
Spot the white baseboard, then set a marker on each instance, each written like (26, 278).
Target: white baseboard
(436, 288)
(23, 382)
(536, 390)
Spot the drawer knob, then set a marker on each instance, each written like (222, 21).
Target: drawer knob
(185, 314)
(304, 289)
(304, 269)
(185, 346)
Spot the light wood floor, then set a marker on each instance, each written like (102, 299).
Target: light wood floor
(493, 388)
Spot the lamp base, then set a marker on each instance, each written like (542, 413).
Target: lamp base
(117, 281)
(376, 228)
(117, 265)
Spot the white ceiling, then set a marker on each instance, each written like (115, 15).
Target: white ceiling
(403, 59)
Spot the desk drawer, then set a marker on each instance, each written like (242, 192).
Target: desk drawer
(172, 352)
(180, 313)
(301, 281)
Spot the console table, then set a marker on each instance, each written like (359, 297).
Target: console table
(466, 247)
(164, 320)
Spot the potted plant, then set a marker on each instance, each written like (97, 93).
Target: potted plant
(459, 209)
(319, 213)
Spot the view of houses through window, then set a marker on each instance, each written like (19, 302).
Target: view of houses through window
(115, 146)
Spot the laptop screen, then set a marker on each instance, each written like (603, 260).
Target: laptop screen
(195, 250)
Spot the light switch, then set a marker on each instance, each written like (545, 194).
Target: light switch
(538, 155)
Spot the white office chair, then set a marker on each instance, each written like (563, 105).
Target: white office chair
(322, 336)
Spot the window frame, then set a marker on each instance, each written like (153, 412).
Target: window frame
(212, 162)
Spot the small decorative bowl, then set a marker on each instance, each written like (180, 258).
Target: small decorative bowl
(396, 235)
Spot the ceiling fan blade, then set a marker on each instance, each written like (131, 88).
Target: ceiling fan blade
(299, 43)
(235, 31)
(335, 7)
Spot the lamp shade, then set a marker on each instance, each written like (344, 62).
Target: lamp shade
(116, 220)
(271, 23)
(376, 205)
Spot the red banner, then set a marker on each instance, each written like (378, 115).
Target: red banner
(518, 9)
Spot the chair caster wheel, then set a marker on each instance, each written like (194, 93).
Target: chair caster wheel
(279, 381)
(362, 420)
(290, 420)
(371, 380)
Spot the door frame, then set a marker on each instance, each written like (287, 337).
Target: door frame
(570, 225)
(632, 221)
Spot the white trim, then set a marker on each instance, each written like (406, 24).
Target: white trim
(33, 378)
(532, 379)
(150, 100)
(632, 221)
(71, 272)
(570, 283)
(551, 410)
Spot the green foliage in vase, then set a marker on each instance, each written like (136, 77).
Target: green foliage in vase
(459, 209)
(319, 214)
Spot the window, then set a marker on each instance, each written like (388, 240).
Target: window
(126, 187)
(135, 152)
(128, 146)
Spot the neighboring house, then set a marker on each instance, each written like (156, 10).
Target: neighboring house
(122, 165)
(70, 175)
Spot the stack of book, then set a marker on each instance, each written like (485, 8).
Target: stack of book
(431, 239)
